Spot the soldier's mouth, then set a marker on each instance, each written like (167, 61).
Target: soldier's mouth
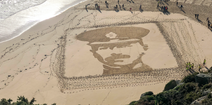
(117, 58)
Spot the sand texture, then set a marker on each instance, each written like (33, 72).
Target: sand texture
(101, 57)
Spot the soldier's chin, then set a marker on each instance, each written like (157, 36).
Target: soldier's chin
(121, 63)
(118, 64)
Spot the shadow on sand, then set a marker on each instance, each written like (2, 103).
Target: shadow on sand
(191, 71)
(181, 8)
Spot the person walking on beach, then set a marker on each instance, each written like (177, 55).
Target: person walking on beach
(118, 1)
(140, 7)
(130, 9)
(106, 3)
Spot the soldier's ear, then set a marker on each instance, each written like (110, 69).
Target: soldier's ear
(145, 47)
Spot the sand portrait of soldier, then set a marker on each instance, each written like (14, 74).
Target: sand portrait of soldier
(119, 49)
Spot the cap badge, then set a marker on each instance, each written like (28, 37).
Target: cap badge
(111, 35)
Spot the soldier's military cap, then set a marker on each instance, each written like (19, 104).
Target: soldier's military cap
(107, 35)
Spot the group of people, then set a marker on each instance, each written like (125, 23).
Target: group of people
(180, 6)
(130, 1)
(190, 66)
(164, 8)
(197, 16)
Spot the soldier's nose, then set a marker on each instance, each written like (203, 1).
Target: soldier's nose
(116, 54)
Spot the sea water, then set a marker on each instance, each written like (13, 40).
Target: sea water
(17, 16)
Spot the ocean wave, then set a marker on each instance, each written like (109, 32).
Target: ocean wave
(13, 26)
(10, 7)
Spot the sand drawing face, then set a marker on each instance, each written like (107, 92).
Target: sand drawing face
(117, 47)
(117, 54)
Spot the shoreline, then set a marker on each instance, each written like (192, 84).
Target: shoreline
(23, 28)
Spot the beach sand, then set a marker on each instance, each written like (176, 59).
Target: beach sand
(48, 62)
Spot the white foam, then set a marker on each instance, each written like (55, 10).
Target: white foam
(18, 23)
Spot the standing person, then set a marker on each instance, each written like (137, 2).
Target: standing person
(118, 1)
(199, 67)
(131, 9)
(177, 3)
(161, 8)
(116, 7)
(86, 7)
(96, 6)
(186, 64)
(197, 16)
(189, 65)
(140, 7)
(166, 8)
(207, 19)
(208, 22)
(192, 66)
(187, 68)
(158, 4)
(204, 62)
